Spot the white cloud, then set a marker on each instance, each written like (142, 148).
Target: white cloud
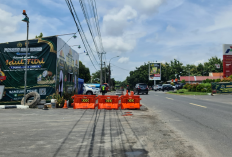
(146, 6)
(123, 60)
(170, 29)
(115, 23)
(8, 22)
(118, 44)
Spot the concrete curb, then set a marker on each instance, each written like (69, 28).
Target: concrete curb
(13, 106)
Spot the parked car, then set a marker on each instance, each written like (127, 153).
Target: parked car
(141, 88)
(167, 87)
(88, 90)
(158, 87)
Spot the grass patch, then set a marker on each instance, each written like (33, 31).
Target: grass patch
(186, 92)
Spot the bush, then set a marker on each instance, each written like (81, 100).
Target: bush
(189, 88)
(199, 87)
(186, 86)
(203, 90)
(174, 92)
(209, 89)
(183, 81)
(218, 80)
(226, 79)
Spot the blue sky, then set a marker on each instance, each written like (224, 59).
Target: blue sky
(138, 31)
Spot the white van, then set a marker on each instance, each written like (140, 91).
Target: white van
(88, 90)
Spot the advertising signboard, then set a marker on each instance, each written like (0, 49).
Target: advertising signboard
(227, 60)
(67, 68)
(154, 71)
(222, 87)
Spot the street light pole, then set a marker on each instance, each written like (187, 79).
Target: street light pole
(189, 75)
(26, 19)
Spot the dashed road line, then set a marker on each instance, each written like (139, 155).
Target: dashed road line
(198, 105)
(169, 98)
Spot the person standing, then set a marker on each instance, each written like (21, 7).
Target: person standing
(103, 89)
(128, 88)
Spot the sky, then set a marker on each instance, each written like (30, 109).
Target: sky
(138, 31)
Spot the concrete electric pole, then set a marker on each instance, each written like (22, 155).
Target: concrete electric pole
(101, 68)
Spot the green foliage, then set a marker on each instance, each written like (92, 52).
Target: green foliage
(183, 81)
(84, 72)
(203, 90)
(218, 80)
(199, 87)
(40, 35)
(186, 86)
(174, 92)
(174, 69)
(96, 76)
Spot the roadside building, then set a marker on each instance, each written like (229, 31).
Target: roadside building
(52, 66)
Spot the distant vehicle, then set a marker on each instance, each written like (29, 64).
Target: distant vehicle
(158, 87)
(179, 85)
(141, 88)
(167, 87)
(88, 90)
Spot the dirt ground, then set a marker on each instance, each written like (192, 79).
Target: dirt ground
(102, 133)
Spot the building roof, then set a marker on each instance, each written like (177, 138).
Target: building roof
(198, 78)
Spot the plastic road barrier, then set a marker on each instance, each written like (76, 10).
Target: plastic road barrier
(108, 102)
(84, 101)
(130, 101)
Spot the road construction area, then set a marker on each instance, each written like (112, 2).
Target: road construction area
(89, 133)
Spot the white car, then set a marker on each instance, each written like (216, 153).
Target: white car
(87, 90)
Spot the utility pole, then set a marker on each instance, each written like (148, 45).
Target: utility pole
(109, 75)
(105, 71)
(101, 68)
(110, 71)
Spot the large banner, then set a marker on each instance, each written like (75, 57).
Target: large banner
(222, 87)
(41, 67)
(67, 68)
(154, 71)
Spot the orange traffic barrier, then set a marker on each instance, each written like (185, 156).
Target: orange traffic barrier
(65, 105)
(108, 102)
(84, 101)
(130, 101)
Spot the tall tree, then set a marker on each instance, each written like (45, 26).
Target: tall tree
(84, 72)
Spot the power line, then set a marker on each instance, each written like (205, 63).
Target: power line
(81, 35)
(82, 31)
(85, 12)
(120, 67)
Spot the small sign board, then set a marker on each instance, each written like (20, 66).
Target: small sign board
(1, 90)
(217, 66)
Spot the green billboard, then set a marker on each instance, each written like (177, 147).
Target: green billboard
(45, 67)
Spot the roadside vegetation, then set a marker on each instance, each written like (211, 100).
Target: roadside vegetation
(186, 92)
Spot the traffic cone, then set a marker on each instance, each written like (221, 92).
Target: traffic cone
(65, 105)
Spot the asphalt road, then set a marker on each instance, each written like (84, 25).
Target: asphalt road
(205, 121)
